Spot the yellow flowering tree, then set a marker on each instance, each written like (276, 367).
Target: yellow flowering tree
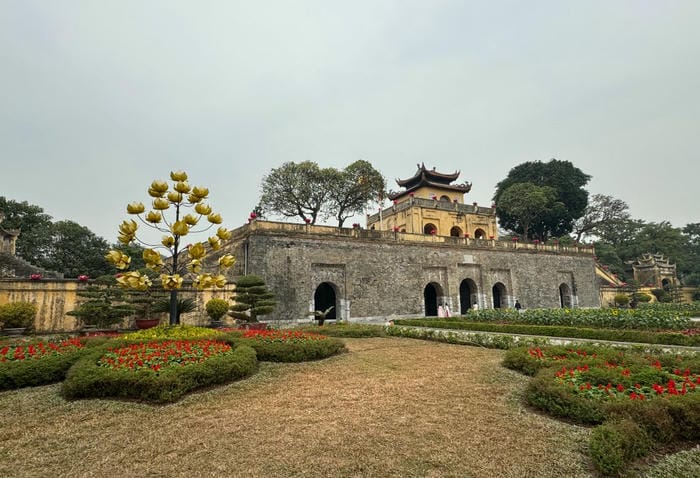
(174, 262)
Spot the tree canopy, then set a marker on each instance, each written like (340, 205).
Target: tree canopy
(75, 250)
(565, 179)
(603, 216)
(35, 227)
(314, 194)
(525, 203)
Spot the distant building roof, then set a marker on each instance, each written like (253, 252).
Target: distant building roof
(426, 177)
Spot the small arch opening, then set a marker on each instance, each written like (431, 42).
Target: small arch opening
(431, 293)
(456, 231)
(480, 234)
(467, 295)
(430, 229)
(565, 296)
(325, 298)
(499, 295)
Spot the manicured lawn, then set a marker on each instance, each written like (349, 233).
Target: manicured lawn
(390, 407)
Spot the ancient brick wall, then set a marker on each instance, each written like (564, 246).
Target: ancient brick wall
(382, 274)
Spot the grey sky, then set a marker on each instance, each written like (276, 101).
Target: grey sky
(99, 98)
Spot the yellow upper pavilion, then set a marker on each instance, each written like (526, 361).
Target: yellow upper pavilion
(431, 204)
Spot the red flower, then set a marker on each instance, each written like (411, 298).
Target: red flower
(307, 220)
(83, 278)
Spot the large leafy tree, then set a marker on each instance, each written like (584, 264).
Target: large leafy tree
(525, 203)
(353, 188)
(296, 190)
(34, 224)
(562, 176)
(603, 216)
(75, 250)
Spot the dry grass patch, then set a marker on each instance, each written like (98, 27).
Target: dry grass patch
(390, 407)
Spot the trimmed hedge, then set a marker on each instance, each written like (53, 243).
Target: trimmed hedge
(86, 379)
(622, 335)
(293, 351)
(43, 370)
(616, 444)
(345, 329)
(490, 341)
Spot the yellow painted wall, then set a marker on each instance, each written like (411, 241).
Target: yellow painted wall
(54, 298)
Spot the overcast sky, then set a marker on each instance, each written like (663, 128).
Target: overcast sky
(98, 98)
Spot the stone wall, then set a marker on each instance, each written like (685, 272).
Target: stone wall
(376, 273)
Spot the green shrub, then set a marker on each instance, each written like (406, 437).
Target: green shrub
(40, 369)
(491, 341)
(621, 300)
(622, 335)
(86, 379)
(294, 351)
(17, 314)
(641, 297)
(544, 393)
(345, 329)
(616, 444)
(172, 332)
(216, 308)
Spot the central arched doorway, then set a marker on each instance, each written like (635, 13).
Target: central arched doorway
(467, 295)
(325, 298)
(456, 231)
(431, 294)
(480, 234)
(564, 296)
(499, 295)
(430, 229)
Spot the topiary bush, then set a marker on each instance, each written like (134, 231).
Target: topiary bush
(621, 300)
(216, 308)
(17, 315)
(179, 371)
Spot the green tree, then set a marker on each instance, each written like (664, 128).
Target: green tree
(179, 261)
(296, 190)
(602, 217)
(102, 303)
(568, 182)
(525, 203)
(35, 226)
(252, 299)
(75, 250)
(353, 188)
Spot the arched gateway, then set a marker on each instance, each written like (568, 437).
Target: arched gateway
(467, 295)
(499, 295)
(431, 294)
(324, 298)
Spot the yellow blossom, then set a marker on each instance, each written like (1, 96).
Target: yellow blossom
(158, 187)
(118, 258)
(152, 259)
(215, 243)
(227, 261)
(179, 228)
(191, 219)
(171, 282)
(220, 281)
(174, 196)
(134, 280)
(128, 227)
(168, 241)
(195, 266)
(200, 192)
(203, 281)
(203, 209)
(214, 218)
(161, 204)
(178, 175)
(135, 208)
(193, 199)
(182, 187)
(223, 233)
(154, 217)
(197, 251)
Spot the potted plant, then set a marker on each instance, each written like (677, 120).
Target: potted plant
(184, 306)
(216, 309)
(17, 317)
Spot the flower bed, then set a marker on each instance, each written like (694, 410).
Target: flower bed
(155, 356)
(160, 371)
(640, 399)
(37, 363)
(289, 345)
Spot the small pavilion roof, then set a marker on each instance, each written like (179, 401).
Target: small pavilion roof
(426, 177)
